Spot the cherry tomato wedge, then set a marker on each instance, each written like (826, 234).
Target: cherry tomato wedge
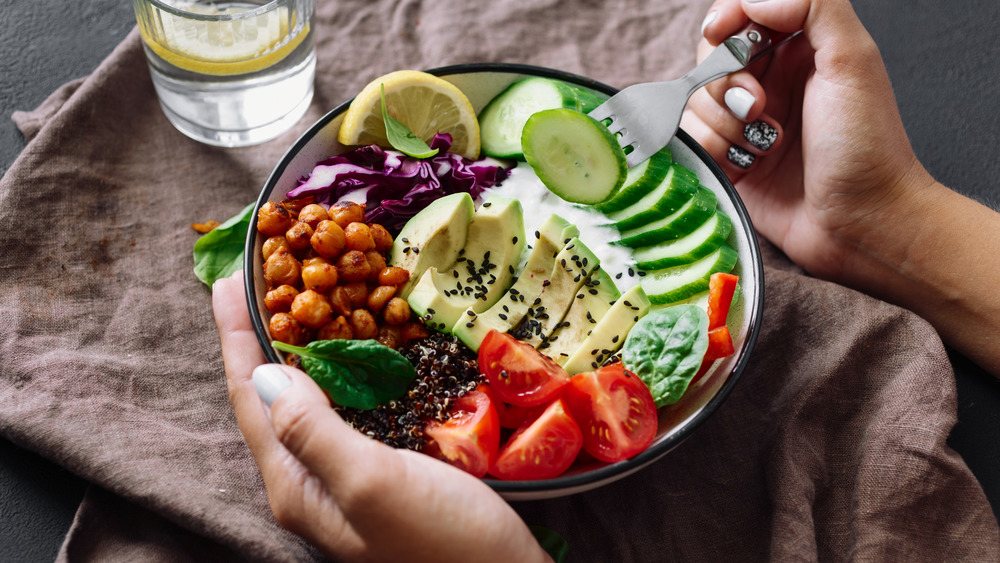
(510, 416)
(517, 373)
(541, 449)
(470, 438)
(615, 411)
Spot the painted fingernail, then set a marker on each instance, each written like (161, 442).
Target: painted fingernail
(760, 134)
(270, 381)
(708, 20)
(739, 101)
(740, 157)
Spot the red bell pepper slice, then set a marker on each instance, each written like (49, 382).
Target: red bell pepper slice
(721, 288)
(720, 345)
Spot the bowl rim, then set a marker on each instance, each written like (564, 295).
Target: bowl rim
(609, 472)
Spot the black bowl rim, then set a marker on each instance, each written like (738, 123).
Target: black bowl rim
(607, 472)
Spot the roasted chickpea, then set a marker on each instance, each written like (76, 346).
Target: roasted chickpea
(382, 238)
(299, 235)
(313, 214)
(376, 262)
(353, 266)
(389, 336)
(358, 293)
(413, 329)
(279, 299)
(281, 268)
(272, 244)
(359, 237)
(397, 311)
(347, 212)
(363, 324)
(379, 297)
(273, 219)
(328, 239)
(319, 275)
(393, 275)
(337, 329)
(284, 328)
(312, 309)
(294, 206)
(340, 301)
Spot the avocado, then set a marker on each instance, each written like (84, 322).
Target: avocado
(480, 274)
(432, 237)
(573, 265)
(550, 238)
(609, 333)
(592, 302)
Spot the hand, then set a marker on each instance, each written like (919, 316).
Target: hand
(353, 497)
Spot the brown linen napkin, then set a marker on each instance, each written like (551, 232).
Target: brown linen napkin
(832, 446)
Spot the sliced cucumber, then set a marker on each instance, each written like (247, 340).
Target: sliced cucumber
(501, 121)
(681, 223)
(703, 241)
(641, 179)
(679, 186)
(574, 155)
(683, 282)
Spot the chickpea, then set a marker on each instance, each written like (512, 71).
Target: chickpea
(358, 293)
(312, 309)
(294, 206)
(412, 330)
(382, 238)
(272, 244)
(363, 324)
(393, 275)
(319, 275)
(389, 336)
(376, 262)
(347, 212)
(279, 299)
(341, 301)
(299, 235)
(281, 268)
(337, 329)
(284, 328)
(359, 237)
(397, 311)
(379, 297)
(273, 219)
(313, 214)
(328, 239)
(353, 266)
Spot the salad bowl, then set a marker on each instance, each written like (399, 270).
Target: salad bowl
(480, 83)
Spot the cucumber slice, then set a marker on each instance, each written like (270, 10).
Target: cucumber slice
(641, 179)
(703, 241)
(681, 223)
(503, 118)
(574, 155)
(683, 282)
(674, 191)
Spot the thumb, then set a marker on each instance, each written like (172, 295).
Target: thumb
(828, 25)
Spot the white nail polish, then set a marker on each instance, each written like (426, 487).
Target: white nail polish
(708, 20)
(739, 101)
(270, 381)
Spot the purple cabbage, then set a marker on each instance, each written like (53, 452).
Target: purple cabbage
(398, 185)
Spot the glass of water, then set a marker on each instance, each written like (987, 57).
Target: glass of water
(230, 73)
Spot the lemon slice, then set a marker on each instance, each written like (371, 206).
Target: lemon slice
(423, 102)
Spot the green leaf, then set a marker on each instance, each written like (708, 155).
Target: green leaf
(665, 349)
(219, 252)
(554, 544)
(400, 136)
(361, 374)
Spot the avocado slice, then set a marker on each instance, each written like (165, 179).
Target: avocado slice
(481, 273)
(592, 302)
(609, 333)
(550, 238)
(432, 237)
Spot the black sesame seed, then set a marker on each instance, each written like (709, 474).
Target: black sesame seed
(538, 235)
(406, 250)
(514, 240)
(487, 204)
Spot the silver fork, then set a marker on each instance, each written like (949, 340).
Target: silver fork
(646, 116)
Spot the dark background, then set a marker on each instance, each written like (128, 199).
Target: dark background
(945, 75)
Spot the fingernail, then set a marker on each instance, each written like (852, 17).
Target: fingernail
(740, 157)
(270, 381)
(708, 20)
(760, 134)
(739, 101)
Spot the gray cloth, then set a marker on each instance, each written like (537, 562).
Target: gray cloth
(832, 446)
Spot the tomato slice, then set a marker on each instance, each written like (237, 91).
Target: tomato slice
(511, 416)
(615, 410)
(470, 438)
(517, 373)
(542, 448)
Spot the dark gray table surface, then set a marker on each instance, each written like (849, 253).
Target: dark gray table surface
(944, 73)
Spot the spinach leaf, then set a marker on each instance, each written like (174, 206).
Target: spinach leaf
(219, 252)
(361, 374)
(554, 544)
(400, 136)
(665, 349)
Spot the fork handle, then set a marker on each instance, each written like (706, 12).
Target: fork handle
(751, 42)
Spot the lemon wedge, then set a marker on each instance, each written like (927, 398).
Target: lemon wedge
(423, 102)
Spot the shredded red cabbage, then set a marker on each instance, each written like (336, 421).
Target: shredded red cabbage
(398, 185)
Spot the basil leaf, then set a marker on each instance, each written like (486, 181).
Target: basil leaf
(665, 349)
(219, 252)
(400, 136)
(554, 544)
(362, 374)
